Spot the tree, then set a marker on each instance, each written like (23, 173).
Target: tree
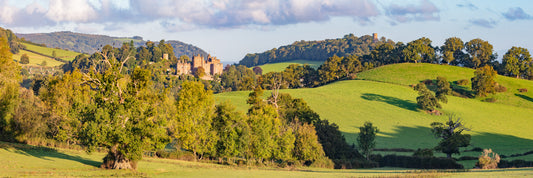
(483, 82)
(124, 119)
(232, 131)
(257, 70)
(9, 89)
(420, 50)
(517, 61)
(480, 52)
(193, 124)
(24, 59)
(452, 50)
(443, 89)
(330, 70)
(200, 72)
(451, 136)
(366, 139)
(426, 100)
(306, 145)
(488, 160)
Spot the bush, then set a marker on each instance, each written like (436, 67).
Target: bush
(354, 163)
(500, 88)
(488, 160)
(522, 90)
(515, 164)
(490, 100)
(463, 82)
(426, 153)
(428, 82)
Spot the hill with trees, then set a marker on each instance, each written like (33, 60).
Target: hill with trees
(315, 50)
(89, 43)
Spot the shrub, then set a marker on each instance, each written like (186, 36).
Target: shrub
(426, 153)
(488, 160)
(522, 90)
(428, 82)
(490, 100)
(500, 88)
(463, 82)
(515, 164)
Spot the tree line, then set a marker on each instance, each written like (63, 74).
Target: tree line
(126, 101)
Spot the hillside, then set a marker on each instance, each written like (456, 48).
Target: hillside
(30, 161)
(37, 59)
(278, 67)
(315, 50)
(88, 43)
(49, 52)
(392, 108)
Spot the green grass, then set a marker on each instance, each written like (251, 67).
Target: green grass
(60, 53)
(27, 161)
(409, 73)
(278, 67)
(392, 108)
(36, 59)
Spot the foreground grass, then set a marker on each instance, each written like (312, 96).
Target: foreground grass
(36, 59)
(278, 67)
(27, 161)
(60, 53)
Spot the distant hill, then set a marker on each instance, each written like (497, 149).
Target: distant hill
(315, 50)
(89, 43)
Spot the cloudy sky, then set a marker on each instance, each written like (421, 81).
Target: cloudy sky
(229, 29)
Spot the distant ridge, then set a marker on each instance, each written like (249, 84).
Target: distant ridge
(89, 43)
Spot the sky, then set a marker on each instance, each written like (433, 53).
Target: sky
(229, 29)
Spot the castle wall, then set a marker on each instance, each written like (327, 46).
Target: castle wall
(211, 66)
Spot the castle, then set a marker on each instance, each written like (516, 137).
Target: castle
(211, 66)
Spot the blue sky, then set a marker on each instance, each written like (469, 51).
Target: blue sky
(229, 29)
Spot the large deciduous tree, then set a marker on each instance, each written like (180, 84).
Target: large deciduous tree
(443, 89)
(451, 136)
(420, 50)
(483, 82)
(517, 61)
(426, 100)
(125, 117)
(480, 53)
(452, 50)
(9, 89)
(193, 125)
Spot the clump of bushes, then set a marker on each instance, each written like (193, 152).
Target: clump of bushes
(522, 90)
(463, 82)
(428, 82)
(488, 160)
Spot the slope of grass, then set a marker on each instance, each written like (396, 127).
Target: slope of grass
(409, 73)
(28, 161)
(278, 67)
(36, 59)
(392, 108)
(60, 53)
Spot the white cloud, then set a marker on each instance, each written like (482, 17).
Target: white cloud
(70, 10)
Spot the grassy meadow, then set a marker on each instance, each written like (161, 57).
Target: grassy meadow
(278, 67)
(29, 161)
(36, 59)
(385, 99)
(60, 53)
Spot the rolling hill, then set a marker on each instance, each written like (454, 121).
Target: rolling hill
(382, 96)
(88, 43)
(278, 67)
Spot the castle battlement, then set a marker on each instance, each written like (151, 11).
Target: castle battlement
(211, 65)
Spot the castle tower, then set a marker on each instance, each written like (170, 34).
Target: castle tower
(375, 35)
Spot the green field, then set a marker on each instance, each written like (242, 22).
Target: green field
(278, 67)
(503, 126)
(28, 161)
(60, 53)
(36, 59)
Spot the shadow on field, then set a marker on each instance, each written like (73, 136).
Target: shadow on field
(404, 138)
(524, 97)
(46, 153)
(406, 104)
